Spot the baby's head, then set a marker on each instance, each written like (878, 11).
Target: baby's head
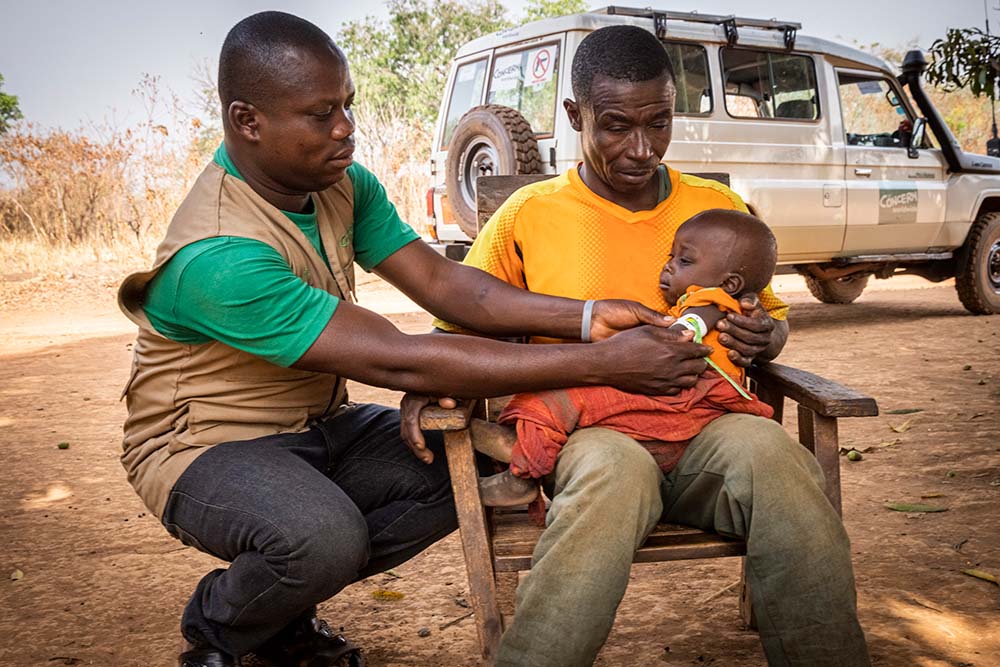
(720, 248)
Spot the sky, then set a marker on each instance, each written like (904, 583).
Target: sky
(75, 64)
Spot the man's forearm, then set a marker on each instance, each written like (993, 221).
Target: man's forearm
(474, 299)
(363, 346)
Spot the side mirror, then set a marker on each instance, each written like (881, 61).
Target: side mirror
(917, 138)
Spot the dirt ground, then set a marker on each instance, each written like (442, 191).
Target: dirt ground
(87, 577)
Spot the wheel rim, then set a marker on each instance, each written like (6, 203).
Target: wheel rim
(993, 266)
(480, 158)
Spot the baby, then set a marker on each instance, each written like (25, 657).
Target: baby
(717, 257)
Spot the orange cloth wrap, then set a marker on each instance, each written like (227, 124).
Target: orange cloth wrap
(545, 419)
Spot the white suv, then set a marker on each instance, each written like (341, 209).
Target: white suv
(823, 141)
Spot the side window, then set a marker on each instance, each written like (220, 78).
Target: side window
(694, 88)
(526, 80)
(765, 84)
(465, 94)
(873, 113)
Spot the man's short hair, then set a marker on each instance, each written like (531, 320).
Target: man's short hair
(623, 52)
(254, 61)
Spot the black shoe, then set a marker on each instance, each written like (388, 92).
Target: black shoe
(205, 657)
(308, 642)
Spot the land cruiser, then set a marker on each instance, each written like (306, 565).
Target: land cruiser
(824, 142)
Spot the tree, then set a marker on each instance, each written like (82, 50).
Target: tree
(543, 9)
(966, 58)
(403, 64)
(9, 109)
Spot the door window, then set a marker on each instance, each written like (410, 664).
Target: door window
(764, 84)
(465, 94)
(873, 113)
(527, 80)
(694, 87)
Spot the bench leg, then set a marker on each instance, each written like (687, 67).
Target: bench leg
(475, 541)
(746, 607)
(819, 435)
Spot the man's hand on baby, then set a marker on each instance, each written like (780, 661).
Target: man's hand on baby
(409, 422)
(748, 334)
(612, 316)
(677, 359)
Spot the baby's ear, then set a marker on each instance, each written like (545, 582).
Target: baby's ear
(733, 284)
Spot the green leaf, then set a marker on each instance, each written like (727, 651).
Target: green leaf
(383, 595)
(985, 576)
(915, 507)
(902, 428)
(904, 411)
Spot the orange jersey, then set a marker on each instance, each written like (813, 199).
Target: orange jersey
(557, 237)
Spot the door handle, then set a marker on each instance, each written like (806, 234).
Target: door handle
(862, 172)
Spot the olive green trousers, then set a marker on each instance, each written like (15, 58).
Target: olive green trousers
(743, 476)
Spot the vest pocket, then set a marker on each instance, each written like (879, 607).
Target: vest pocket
(212, 424)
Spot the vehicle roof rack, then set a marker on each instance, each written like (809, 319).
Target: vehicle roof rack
(730, 23)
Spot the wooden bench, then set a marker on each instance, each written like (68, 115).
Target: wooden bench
(497, 544)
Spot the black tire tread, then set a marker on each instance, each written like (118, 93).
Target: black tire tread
(827, 292)
(966, 275)
(527, 159)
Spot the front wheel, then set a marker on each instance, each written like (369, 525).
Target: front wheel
(977, 277)
(837, 290)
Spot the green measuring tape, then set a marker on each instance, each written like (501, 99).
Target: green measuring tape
(700, 329)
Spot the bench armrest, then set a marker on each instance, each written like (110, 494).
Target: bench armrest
(824, 397)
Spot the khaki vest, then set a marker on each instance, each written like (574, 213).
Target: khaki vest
(182, 398)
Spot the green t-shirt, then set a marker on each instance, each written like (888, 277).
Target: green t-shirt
(243, 293)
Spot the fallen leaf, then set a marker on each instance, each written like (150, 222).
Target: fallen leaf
(903, 411)
(902, 428)
(393, 574)
(932, 495)
(915, 507)
(16, 575)
(977, 416)
(985, 576)
(383, 595)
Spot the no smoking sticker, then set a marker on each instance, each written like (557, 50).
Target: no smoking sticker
(541, 64)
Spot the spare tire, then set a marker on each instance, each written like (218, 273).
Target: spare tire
(490, 140)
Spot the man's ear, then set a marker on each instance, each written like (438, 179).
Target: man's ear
(573, 111)
(733, 284)
(244, 118)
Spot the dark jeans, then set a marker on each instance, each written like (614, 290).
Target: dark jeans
(299, 516)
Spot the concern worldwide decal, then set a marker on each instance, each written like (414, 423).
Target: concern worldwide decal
(897, 206)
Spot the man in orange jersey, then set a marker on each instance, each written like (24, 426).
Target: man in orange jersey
(604, 230)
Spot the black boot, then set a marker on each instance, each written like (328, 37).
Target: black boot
(205, 657)
(308, 642)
